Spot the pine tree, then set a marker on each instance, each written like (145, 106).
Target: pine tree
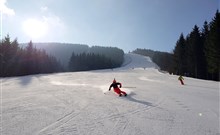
(72, 62)
(195, 50)
(29, 58)
(213, 47)
(8, 52)
(205, 33)
(180, 55)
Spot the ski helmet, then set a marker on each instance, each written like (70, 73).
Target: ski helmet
(114, 81)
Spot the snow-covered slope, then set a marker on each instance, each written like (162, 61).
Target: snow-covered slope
(80, 104)
(132, 61)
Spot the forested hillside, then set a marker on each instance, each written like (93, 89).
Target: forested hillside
(195, 55)
(64, 51)
(198, 54)
(115, 54)
(17, 61)
(96, 58)
(34, 58)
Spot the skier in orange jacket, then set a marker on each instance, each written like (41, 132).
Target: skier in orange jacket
(116, 89)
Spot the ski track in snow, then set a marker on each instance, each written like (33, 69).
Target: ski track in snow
(80, 104)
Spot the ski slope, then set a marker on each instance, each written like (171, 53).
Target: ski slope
(80, 104)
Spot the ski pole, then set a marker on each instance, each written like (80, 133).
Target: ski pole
(128, 87)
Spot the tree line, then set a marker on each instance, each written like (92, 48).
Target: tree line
(62, 51)
(18, 61)
(115, 54)
(96, 58)
(198, 54)
(195, 55)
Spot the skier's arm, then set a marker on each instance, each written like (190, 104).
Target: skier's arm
(119, 84)
(110, 87)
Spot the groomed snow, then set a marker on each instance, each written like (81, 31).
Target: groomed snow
(79, 103)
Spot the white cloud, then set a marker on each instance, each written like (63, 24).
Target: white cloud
(54, 22)
(4, 9)
(44, 9)
(56, 28)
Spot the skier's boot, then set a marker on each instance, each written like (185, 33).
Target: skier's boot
(120, 95)
(125, 94)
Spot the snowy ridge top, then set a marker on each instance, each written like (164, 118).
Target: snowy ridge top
(133, 61)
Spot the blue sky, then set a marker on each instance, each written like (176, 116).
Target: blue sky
(126, 24)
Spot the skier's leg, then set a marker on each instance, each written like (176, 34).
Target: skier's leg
(117, 90)
(124, 93)
(182, 82)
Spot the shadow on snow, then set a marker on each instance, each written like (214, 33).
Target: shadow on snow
(130, 98)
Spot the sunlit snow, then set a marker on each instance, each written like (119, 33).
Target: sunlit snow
(79, 103)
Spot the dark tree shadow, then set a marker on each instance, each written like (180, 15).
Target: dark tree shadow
(26, 80)
(23, 80)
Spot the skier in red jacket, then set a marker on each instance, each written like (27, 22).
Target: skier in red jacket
(116, 89)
